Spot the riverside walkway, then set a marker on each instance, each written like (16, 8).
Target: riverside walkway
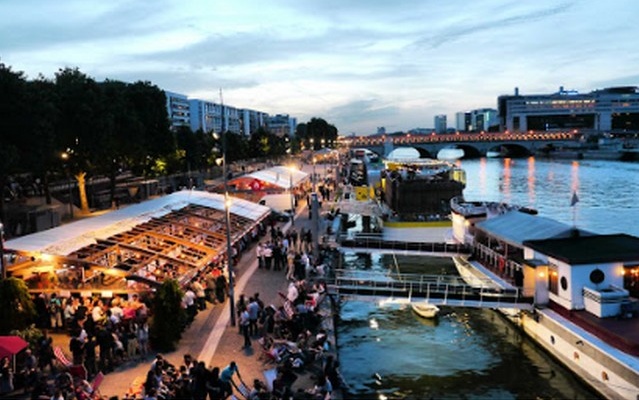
(211, 338)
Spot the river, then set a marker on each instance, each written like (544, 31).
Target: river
(389, 353)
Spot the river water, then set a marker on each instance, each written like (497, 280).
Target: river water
(390, 353)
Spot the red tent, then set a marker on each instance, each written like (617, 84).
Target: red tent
(11, 345)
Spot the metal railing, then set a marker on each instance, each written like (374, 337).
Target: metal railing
(436, 289)
(375, 241)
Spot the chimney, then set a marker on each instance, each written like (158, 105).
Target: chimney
(516, 91)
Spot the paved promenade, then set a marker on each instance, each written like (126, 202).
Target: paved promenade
(211, 338)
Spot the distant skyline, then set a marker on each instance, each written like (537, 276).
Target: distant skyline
(358, 64)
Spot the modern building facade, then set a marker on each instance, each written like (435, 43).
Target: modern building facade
(483, 119)
(463, 122)
(440, 123)
(613, 109)
(213, 117)
(178, 109)
(282, 125)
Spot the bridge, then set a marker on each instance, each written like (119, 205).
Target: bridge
(434, 289)
(473, 144)
(367, 242)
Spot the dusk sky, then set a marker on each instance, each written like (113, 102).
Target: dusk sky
(357, 64)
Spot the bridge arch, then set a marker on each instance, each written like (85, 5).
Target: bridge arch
(423, 153)
(511, 150)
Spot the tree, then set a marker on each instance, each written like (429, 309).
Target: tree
(12, 125)
(17, 311)
(168, 316)
(315, 132)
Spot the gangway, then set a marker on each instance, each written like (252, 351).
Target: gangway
(376, 242)
(443, 290)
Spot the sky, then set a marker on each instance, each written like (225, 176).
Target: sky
(357, 64)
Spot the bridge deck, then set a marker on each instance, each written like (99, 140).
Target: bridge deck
(440, 290)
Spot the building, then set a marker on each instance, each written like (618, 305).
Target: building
(463, 121)
(483, 119)
(252, 120)
(282, 125)
(213, 117)
(205, 115)
(178, 109)
(613, 109)
(381, 130)
(440, 123)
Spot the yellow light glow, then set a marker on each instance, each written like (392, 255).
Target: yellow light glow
(541, 274)
(46, 257)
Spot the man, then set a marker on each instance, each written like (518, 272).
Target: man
(253, 309)
(226, 376)
(245, 323)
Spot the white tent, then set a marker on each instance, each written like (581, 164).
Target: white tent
(280, 176)
(68, 238)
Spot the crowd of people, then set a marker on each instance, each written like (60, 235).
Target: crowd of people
(106, 332)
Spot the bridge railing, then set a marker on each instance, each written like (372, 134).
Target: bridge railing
(423, 287)
(375, 241)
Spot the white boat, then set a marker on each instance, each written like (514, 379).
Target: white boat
(425, 310)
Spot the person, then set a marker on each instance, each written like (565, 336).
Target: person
(245, 326)
(6, 375)
(214, 385)
(254, 310)
(226, 377)
(55, 312)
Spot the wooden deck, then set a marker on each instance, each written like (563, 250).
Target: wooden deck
(622, 334)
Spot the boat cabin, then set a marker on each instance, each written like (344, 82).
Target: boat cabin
(586, 272)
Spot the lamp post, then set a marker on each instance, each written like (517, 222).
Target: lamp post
(290, 190)
(65, 157)
(229, 250)
(2, 263)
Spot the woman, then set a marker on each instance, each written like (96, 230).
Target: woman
(6, 375)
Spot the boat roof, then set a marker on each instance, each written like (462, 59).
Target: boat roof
(516, 227)
(589, 249)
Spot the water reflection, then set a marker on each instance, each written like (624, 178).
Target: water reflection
(392, 353)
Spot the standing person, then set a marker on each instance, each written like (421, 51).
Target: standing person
(198, 286)
(142, 332)
(259, 252)
(253, 309)
(220, 288)
(214, 385)
(268, 256)
(240, 304)
(55, 312)
(6, 376)
(245, 323)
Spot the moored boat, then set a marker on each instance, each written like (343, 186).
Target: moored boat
(425, 310)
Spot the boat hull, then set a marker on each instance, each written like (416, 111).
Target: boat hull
(425, 310)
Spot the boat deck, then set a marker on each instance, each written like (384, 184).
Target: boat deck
(622, 334)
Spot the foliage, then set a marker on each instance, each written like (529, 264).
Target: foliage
(168, 316)
(17, 311)
(315, 132)
(31, 334)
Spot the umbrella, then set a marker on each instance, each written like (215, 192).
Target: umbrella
(11, 345)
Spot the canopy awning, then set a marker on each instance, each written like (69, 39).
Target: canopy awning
(11, 345)
(280, 175)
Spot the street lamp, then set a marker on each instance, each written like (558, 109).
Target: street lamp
(290, 190)
(227, 209)
(65, 157)
(2, 263)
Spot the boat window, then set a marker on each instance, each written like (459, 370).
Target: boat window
(597, 276)
(564, 283)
